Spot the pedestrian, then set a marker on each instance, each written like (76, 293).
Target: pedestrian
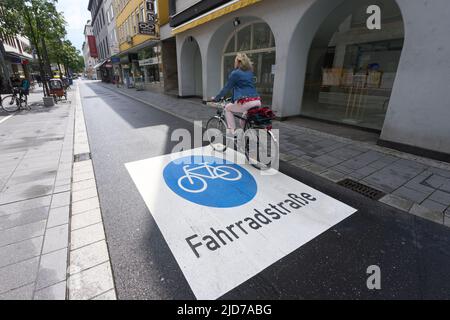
(241, 83)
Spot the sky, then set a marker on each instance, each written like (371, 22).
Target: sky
(76, 15)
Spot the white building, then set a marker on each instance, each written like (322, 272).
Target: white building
(318, 59)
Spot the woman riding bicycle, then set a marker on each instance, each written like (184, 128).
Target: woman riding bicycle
(245, 95)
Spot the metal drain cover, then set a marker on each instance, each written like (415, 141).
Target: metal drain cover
(360, 188)
(82, 157)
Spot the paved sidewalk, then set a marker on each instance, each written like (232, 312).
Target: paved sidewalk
(52, 241)
(413, 184)
(36, 152)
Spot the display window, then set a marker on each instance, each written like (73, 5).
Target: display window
(351, 72)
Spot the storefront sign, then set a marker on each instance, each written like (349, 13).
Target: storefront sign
(150, 5)
(15, 60)
(92, 47)
(151, 17)
(147, 28)
(225, 222)
(148, 62)
(115, 59)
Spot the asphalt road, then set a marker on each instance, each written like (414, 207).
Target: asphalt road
(413, 254)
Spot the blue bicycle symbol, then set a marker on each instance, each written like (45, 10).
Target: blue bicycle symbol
(210, 181)
(195, 182)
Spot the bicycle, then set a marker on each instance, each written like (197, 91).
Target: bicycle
(197, 181)
(14, 102)
(260, 143)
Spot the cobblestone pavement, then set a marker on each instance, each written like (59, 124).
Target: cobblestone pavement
(413, 184)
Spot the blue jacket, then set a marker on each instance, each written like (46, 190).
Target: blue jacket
(242, 84)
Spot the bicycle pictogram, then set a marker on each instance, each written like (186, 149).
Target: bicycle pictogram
(195, 179)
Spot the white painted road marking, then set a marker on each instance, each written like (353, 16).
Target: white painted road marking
(219, 248)
(6, 118)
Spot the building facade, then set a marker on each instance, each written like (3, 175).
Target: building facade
(18, 57)
(320, 59)
(101, 22)
(90, 53)
(139, 62)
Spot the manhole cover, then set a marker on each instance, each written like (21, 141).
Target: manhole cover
(90, 97)
(82, 157)
(360, 188)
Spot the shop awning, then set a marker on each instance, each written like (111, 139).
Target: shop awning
(214, 14)
(106, 63)
(98, 65)
(17, 58)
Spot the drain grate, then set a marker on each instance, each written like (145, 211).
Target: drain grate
(360, 188)
(82, 157)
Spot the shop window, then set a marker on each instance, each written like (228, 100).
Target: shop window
(349, 79)
(231, 45)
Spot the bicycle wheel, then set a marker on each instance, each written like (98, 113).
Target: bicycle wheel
(216, 131)
(261, 148)
(10, 103)
(227, 173)
(197, 185)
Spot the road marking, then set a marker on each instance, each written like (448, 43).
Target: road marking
(6, 118)
(219, 244)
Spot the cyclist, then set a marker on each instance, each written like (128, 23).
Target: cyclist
(24, 88)
(245, 96)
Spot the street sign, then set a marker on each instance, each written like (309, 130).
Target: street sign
(148, 62)
(147, 28)
(215, 213)
(150, 5)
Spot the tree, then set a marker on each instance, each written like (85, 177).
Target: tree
(40, 21)
(10, 25)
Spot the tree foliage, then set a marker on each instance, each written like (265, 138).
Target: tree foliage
(40, 21)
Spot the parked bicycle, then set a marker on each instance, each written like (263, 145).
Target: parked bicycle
(259, 143)
(15, 101)
(195, 179)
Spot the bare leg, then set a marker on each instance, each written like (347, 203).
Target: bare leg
(242, 108)
(229, 108)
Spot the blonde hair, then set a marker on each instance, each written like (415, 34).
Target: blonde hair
(246, 63)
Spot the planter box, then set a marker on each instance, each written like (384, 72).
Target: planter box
(48, 101)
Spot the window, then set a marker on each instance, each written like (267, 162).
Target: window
(257, 41)
(107, 47)
(244, 39)
(350, 80)
(19, 46)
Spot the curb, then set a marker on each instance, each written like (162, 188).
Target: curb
(90, 272)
